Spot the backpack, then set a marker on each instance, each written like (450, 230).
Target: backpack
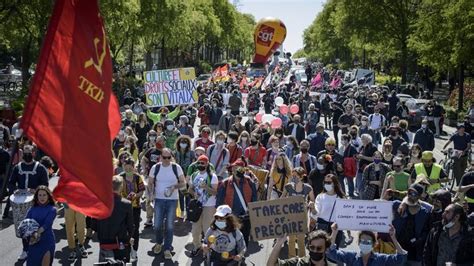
(382, 118)
(224, 153)
(173, 166)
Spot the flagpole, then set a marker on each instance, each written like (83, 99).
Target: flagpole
(7, 177)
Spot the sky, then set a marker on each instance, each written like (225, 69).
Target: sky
(297, 15)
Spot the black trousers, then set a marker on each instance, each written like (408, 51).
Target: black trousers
(335, 130)
(136, 229)
(245, 229)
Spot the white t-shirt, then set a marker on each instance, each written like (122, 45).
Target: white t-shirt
(205, 198)
(324, 204)
(164, 179)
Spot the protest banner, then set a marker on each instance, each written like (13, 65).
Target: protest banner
(274, 218)
(170, 87)
(363, 215)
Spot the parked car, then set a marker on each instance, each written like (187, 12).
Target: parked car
(203, 78)
(417, 112)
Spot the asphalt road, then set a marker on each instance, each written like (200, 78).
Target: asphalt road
(258, 253)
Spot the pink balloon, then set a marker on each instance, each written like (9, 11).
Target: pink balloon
(258, 117)
(276, 123)
(294, 109)
(283, 109)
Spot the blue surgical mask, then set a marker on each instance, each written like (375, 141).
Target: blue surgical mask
(365, 248)
(221, 224)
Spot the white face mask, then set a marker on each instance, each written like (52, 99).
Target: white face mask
(329, 187)
(423, 126)
(365, 248)
(219, 141)
(183, 145)
(170, 127)
(221, 224)
(364, 123)
(244, 139)
(152, 139)
(320, 166)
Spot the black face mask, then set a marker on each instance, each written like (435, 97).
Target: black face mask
(201, 167)
(304, 150)
(316, 256)
(253, 142)
(28, 157)
(239, 174)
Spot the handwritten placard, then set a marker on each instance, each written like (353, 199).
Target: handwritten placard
(274, 218)
(363, 215)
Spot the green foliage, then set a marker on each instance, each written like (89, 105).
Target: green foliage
(387, 79)
(300, 54)
(203, 67)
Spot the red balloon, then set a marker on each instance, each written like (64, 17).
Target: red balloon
(258, 117)
(283, 109)
(276, 123)
(294, 109)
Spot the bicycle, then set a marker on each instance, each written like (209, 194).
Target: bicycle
(447, 164)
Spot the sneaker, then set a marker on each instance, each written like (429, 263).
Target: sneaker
(72, 256)
(168, 255)
(133, 255)
(157, 249)
(83, 252)
(23, 255)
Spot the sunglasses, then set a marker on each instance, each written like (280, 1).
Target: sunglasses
(166, 157)
(315, 248)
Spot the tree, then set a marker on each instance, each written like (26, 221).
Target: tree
(443, 37)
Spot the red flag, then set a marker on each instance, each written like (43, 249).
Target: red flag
(224, 71)
(216, 74)
(71, 112)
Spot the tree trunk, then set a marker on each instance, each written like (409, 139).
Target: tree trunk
(404, 61)
(461, 90)
(130, 62)
(148, 61)
(25, 64)
(163, 54)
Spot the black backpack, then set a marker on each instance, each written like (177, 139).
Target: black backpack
(193, 210)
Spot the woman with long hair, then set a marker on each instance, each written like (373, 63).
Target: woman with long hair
(298, 187)
(244, 140)
(184, 156)
(42, 242)
(415, 157)
(273, 151)
(387, 156)
(292, 147)
(280, 174)
(223, 242)
(373, 178)
(325, 202)
(141, 129)
(130, 146)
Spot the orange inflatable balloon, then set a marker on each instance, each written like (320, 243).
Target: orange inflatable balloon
(268, 36)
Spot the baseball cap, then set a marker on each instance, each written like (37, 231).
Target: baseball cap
(203, 158)
(223, 211)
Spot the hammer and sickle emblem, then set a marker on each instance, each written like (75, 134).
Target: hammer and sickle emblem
(100, 57)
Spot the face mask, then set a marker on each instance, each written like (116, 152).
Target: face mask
(253, 142)
(244, 139)
(27, 157)
(423, 126)
(230, 140)
(183, 145)
(250, 119)
(221, 224)
(127, 146)
(170, 127)
(304, 150)
(364, 123)
(201, 167)
(329, 187)
(289, 144)
(220, 142)
(320, 166)
(316, 256)
(344, 142)
(365, 248)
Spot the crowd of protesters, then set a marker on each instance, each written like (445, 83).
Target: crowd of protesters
(203, 163)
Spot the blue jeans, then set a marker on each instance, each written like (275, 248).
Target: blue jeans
(165, 209)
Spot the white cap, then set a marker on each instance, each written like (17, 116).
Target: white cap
(223, 211)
